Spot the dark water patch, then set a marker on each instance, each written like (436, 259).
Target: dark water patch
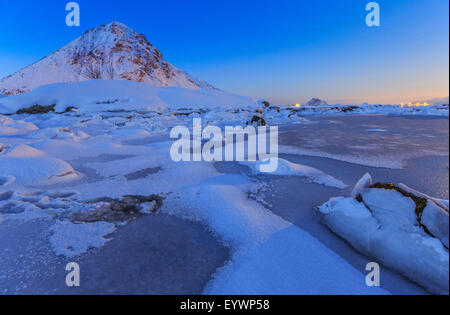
(156, 254)
(142, 173)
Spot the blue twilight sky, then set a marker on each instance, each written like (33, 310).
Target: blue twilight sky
(286, 51)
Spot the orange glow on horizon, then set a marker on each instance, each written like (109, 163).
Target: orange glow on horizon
(417, 104)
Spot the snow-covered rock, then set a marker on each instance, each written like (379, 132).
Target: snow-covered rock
(104, 95)
(113, 52)
(385, 226)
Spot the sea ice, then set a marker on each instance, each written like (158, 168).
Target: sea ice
(72, 240)
(286, 168)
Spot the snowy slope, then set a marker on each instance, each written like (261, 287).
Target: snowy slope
(103, 95)
(111, 51)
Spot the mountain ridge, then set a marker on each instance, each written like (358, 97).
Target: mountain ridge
(111, 51)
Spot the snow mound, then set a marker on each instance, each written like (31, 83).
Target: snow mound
(72, 240)
(28, 166)
(385, 225)
(24, 151)
(66, 134)
(104, 95)
(130, 134)
(286, 168)
(10, 127)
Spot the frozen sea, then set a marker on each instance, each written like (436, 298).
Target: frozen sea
(410, 150)
(164, 253)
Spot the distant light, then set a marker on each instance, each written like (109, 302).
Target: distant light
(415, 105)
(297, 105)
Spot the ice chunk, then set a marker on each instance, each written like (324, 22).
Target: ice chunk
(364, 183)
(390, 207)
(348, 206)
(437, 222)
(440, 202)
(385, 226)
(351, 220)
(420, 258)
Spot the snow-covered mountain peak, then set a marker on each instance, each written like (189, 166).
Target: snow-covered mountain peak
(108, 35)
(113, 52)
(316, 102)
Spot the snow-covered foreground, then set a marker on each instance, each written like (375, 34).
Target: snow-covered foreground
(88, 186)
(114, 166)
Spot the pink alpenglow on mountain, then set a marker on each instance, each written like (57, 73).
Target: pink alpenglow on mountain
(110, 52)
